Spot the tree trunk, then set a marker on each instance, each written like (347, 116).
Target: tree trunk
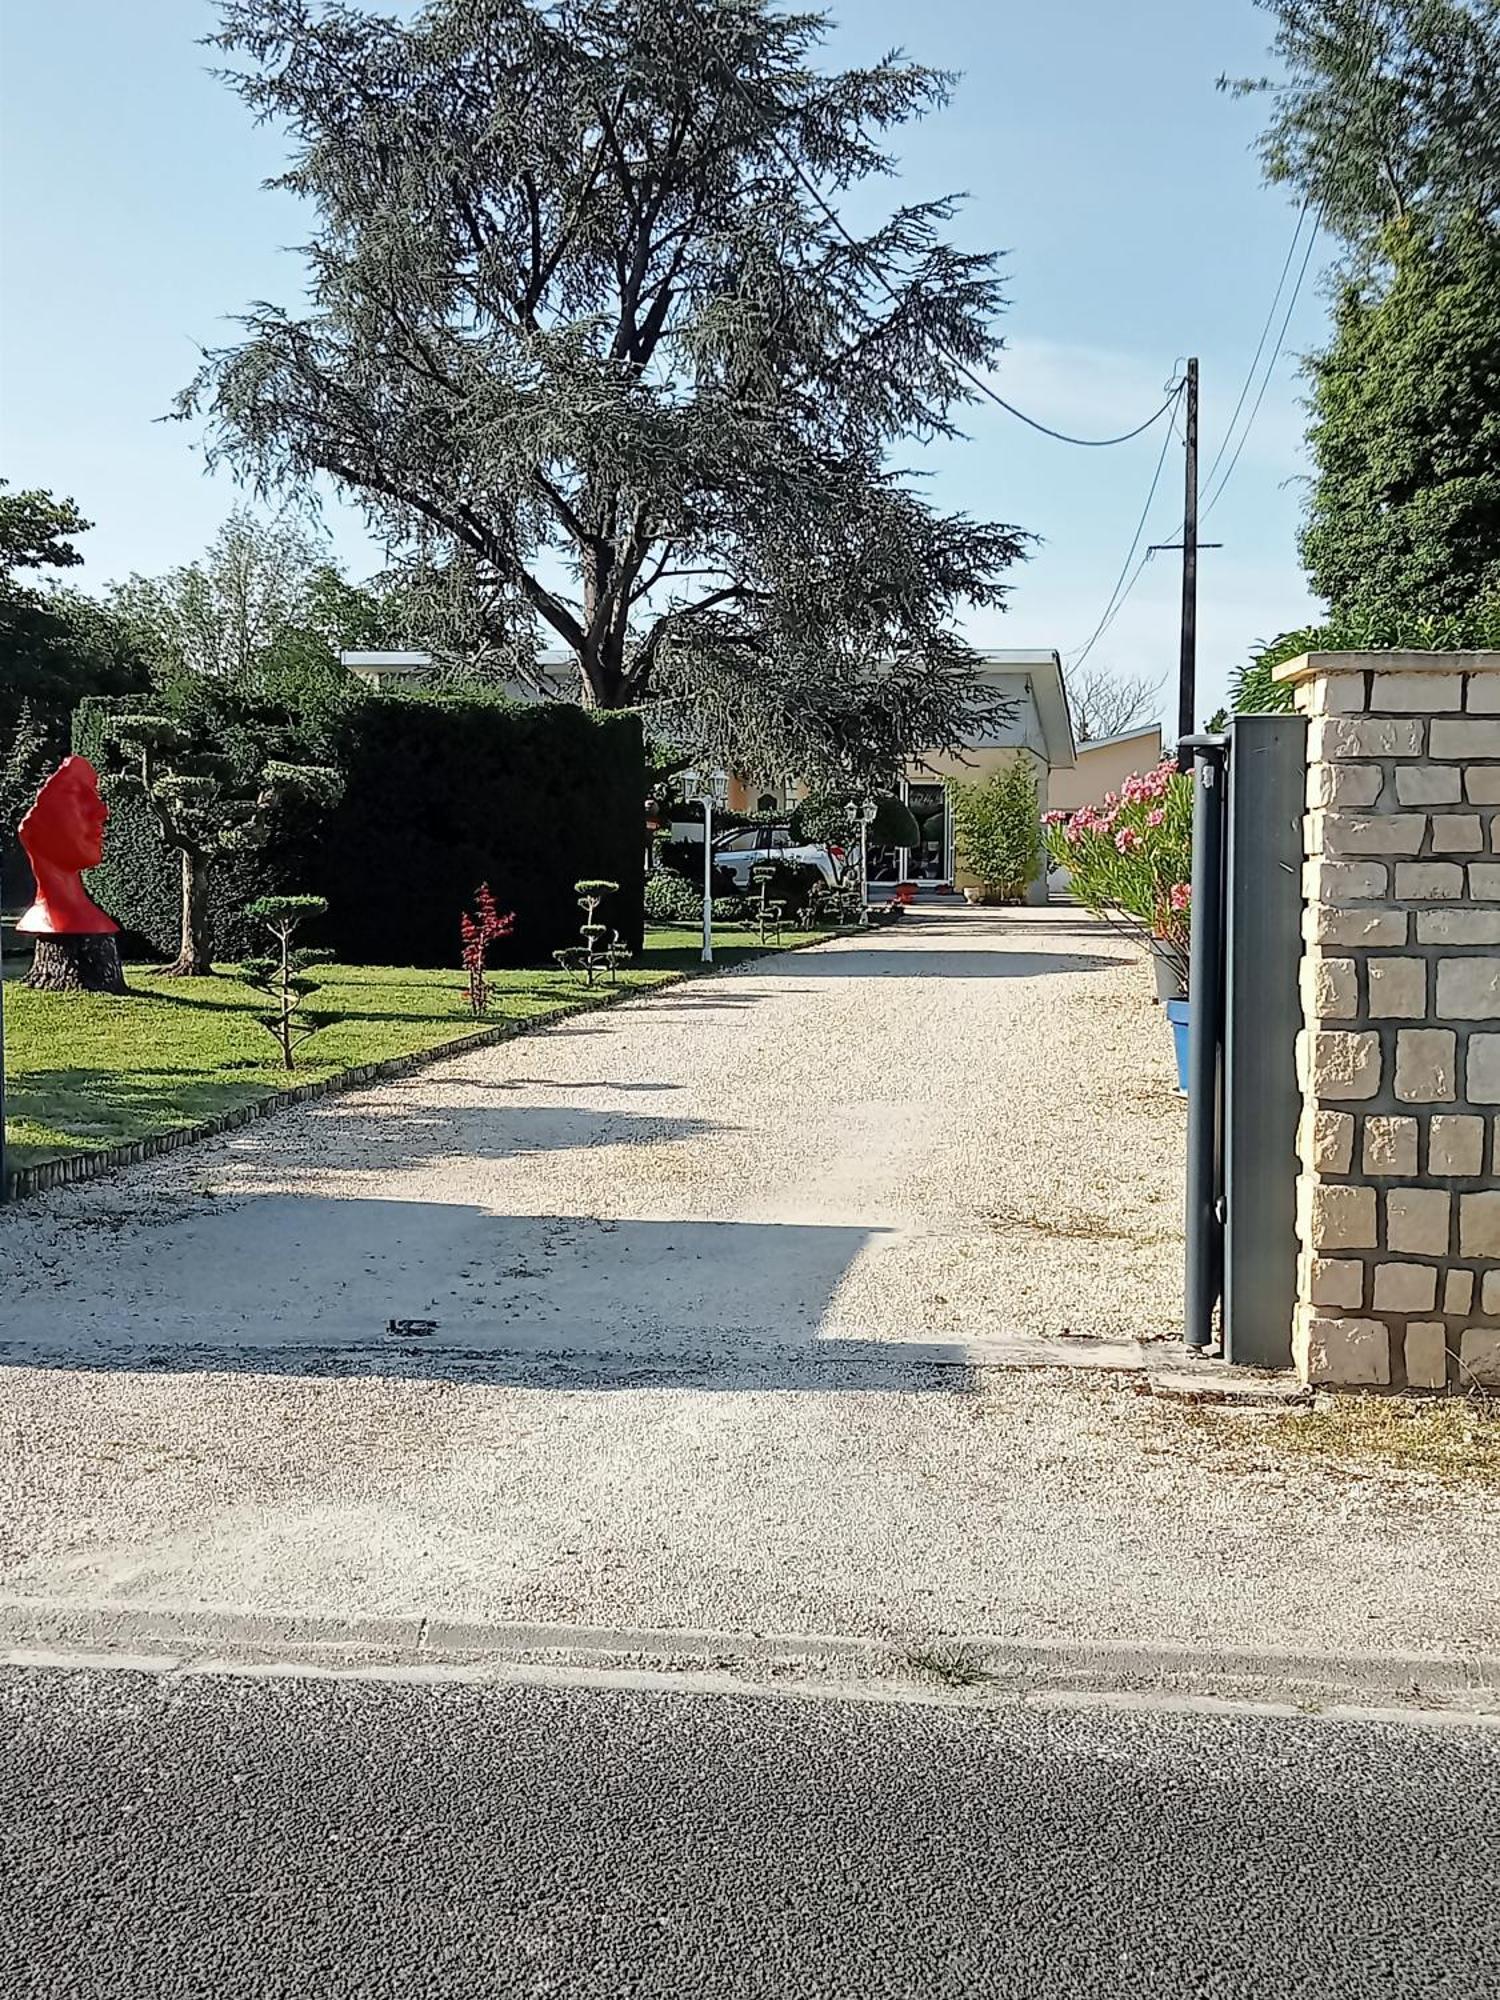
(195, 954)
(82, 963)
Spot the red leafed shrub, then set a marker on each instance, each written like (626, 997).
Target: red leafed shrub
(478, 932)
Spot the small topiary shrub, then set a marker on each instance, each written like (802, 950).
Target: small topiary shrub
(792, 884)
(601, 950)
(284, 976)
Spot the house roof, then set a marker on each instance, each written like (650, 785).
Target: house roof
(1125, 736)
(386, 663)
(1042, 667)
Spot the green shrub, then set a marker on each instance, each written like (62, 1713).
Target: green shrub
(440, 791)
(998, 830)
(895, 824)
(1254, 690)
(673, 899)
(832, 818)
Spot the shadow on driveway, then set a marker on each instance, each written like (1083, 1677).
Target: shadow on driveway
(299, 1284)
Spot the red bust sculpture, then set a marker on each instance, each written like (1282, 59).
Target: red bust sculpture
(62, 835)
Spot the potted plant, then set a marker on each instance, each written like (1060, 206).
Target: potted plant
(998, 831)
(1130, 860)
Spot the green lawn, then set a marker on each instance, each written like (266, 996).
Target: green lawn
(85, 1071)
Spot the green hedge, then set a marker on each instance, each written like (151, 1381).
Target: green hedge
(441, 793)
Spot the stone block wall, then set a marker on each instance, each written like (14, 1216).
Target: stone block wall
(1398, 1208)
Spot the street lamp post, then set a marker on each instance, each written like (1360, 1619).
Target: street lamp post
(707, 802)
(700, 793)
(865, 811)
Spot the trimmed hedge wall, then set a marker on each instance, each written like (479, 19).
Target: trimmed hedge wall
(441, 793)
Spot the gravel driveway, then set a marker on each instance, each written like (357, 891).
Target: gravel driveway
(962, 1130)
(705, 1273)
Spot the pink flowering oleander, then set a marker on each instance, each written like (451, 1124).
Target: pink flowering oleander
(1129, 856)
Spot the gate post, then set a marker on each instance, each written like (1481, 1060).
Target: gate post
(1204, 1219)
(1262, 1014)
(1398, 1208)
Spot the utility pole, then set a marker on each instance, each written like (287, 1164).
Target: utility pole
(1187, 669)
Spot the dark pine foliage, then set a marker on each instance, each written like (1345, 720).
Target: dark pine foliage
(578, 321)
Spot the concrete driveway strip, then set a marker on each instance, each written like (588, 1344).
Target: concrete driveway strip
(166, 1839)
(693, 1266)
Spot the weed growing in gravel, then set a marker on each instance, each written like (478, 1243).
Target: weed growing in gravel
(954, 1666)
(1457, 1439)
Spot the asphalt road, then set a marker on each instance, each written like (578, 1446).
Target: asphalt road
(281, 1837)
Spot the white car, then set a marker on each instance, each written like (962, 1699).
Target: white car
(739, 851)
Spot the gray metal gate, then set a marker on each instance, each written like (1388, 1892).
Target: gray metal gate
(1244, 1014)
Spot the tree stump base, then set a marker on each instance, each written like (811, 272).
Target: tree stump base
(85, 963)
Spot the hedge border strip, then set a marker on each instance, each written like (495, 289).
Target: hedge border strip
(24, 1183)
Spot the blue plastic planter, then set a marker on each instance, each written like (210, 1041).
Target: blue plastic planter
(1177, 1014)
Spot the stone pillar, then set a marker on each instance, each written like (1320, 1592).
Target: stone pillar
(1398, 1199)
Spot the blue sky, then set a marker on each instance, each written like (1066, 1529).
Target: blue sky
(1090, 140)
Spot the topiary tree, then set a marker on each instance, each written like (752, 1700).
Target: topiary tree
(284, 975)
(206, 804)
(895, 824)
(999, 831)
(601, 950)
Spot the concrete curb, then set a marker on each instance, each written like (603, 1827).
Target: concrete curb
(38, 1631)
(21, 1183)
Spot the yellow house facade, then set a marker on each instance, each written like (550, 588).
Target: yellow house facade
(1104, 766)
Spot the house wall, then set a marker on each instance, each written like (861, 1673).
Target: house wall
(1104, 767)
(1021, 736)
(974, 767)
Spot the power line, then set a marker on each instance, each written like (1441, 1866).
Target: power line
(1118, 596)
(1265, 384)
(1214, 497)
(1260, 345)
(863, 253)
(1112, 606)
(1062, 436)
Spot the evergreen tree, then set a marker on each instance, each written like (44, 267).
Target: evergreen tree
(579, 318)
(1404, 518)
(207, 801)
